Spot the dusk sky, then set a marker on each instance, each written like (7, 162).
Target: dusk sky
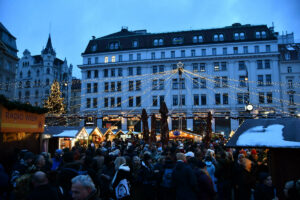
(72, 23)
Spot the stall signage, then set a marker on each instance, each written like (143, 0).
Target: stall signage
(21, 121)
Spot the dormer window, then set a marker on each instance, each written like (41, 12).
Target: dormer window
(111, 46)
(239, 36)
(218, 37)
(261, 34)
(94, 47)
(197, 39)
(155, 42)
(221, 37)
(135, 44)
(178, 40)
(161, 42)
(114, 45)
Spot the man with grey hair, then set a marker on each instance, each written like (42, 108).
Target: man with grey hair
(83, 188)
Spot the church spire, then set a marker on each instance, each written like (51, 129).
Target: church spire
(49, 49)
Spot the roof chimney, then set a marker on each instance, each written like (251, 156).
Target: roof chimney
(124, 28)
(93, 37)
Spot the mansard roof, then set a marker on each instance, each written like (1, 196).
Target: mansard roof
(292, 49)
(125, 38)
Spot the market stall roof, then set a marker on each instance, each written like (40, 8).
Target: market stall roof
(90, 129)
(67, 133)
(55, 130)
(269, 133)
(103, 130)
(116, 131)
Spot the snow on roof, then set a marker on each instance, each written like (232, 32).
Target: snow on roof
(267, 133)
(67, 133)
(269, 136)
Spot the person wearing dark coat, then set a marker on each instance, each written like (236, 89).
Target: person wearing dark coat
(264, 190)
(245, 181)
(121, 183)
(42, 189)
(206, 188)
(146, 178)
(184, 180)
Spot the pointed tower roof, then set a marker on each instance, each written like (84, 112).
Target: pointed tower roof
(49, 49)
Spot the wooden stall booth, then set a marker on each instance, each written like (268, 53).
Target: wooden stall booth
(182, 135)
(95, 136)
(282, 138)
(71, 137)
(19, 129)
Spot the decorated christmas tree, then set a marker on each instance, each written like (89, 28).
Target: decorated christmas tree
(54, 103)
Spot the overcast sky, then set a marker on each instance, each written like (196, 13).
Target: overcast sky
(72, 23)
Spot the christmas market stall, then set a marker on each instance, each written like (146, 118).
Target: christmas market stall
(282, 137)
(95, 135)
(66, 137)
(181, 135)
(119, 133)
(109, 135)
(21, 126)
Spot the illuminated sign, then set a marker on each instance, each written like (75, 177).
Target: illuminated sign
(21, 121)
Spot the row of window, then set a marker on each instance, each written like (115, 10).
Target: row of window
(158, 84)
(218, 66)
(180, 100)
(36, 94)
(154, 55)
(37, 83)
(37, 73)
(196, 39)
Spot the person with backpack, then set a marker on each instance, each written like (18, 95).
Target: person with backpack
(166, 190)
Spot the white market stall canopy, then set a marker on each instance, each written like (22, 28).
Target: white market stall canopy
(268, 133)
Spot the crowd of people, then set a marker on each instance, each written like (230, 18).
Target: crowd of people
(133, 169)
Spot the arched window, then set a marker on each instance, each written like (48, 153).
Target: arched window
(35, 83)
(39, 82)
(48, 70)
(21, 75)
(36, 94)
(155, 42)
(46, 92)
(257, 35)
(20, 94)
(161, 42)
(20, 84)
(195, 39)
(200, 38)
(38, 72)
(221, 37)
(242, 36)
(116, 45)
(47, 81)
(216, 38)
(174, 40)
(263, 34)
(111, 46)
(28, 73)
(236, 36)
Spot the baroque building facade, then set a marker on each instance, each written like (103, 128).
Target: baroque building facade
(35, 75)
(8, 62)
(224, 70)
